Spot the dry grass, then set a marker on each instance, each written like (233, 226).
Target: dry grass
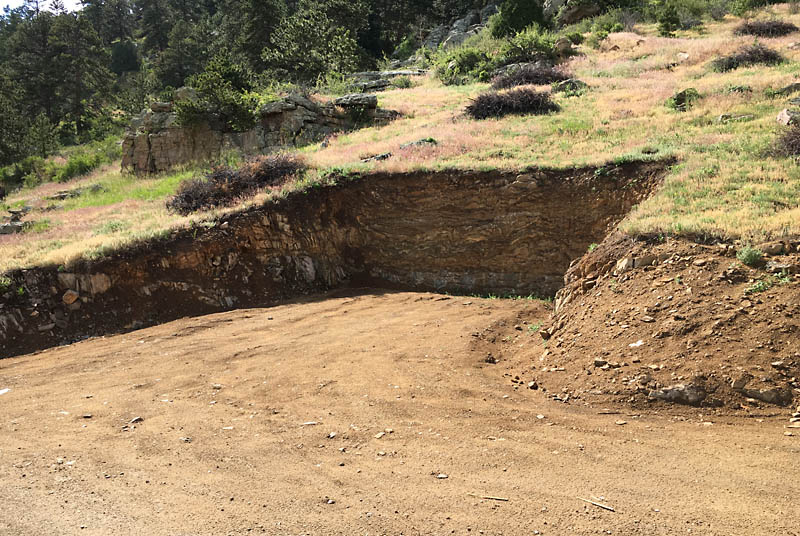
(727, 182)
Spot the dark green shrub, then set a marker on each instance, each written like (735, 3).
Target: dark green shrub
(515, 16)
(756, 54)
(223, 101)
(225, 186)
(464, 64)
(765, 28)
(668, 20)
(531, 44)
(683, 100)
(515, 102)
(576, 38)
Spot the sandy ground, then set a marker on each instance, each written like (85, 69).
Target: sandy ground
(400, 396)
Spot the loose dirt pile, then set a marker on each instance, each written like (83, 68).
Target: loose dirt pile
(675, 322)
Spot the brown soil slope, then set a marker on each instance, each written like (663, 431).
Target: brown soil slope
(343, 416)
(676, 321)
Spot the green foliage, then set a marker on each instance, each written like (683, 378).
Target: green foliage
(668, 20)
(515, 16)
(41, 138)
(749, 256)
(38, 226)
(402, 82)
(223, 98)
(124, 57)
(5, 283)
(35, 170)
(531, 44)
(766, 283)
(464, 64)
(309, 43)
(683, 100)
(406, 48)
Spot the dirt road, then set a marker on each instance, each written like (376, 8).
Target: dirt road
(369, 413)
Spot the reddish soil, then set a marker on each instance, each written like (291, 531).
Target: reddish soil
(401, 393)
(696, 317)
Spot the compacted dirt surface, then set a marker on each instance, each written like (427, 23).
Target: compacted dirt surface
(364, 412)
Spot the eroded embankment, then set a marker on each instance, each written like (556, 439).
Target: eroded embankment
(450, 231)
(643, 323)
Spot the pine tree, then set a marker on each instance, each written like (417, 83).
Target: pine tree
(84, 62)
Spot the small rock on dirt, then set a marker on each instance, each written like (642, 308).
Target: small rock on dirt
(70, 297)
(691, 395)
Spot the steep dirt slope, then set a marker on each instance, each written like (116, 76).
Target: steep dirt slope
(646, 323)
(343, 416)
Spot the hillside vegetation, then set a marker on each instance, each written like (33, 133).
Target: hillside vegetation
(735, 176)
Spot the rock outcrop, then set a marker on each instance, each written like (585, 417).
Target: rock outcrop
(155, 142)
(473, 232)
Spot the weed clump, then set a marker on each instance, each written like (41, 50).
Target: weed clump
(225, 186)
(765, 28)
(683, 100)
(536, 74)
(749, 256)
(756, 54)
(788, 143)
(515, 102)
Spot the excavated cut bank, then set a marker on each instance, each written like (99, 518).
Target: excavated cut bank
(448, 231)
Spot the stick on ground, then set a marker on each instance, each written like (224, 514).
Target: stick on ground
(489, 497)
(597, 504)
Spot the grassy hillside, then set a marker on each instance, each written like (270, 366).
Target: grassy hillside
(727, 181)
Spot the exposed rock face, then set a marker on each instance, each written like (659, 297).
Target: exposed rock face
(458, 31)
(156, 143)
(448, 231)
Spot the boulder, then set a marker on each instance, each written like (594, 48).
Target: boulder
(462, 25)
(185, 94)
(435, 37)
(357, 100)
(691, 395)
(551, 7)
(487, 12)
(779, 396)
(788, 90)
(563, 47)
(573, 85)
(788, 117)
(161, 107)
(506, 69)
(454, 38)
(576, 10)
(11, 227)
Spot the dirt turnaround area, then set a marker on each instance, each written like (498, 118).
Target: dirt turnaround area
(363, 412)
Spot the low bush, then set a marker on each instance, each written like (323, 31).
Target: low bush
(481, 55)
(463, 65)
(683, 100)
(531, 44)
(765, 28)
(756, 54)
(34, 170)
(224, 186)
(529, 74)
(522, 101)
(749, 256)
(788, 142)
